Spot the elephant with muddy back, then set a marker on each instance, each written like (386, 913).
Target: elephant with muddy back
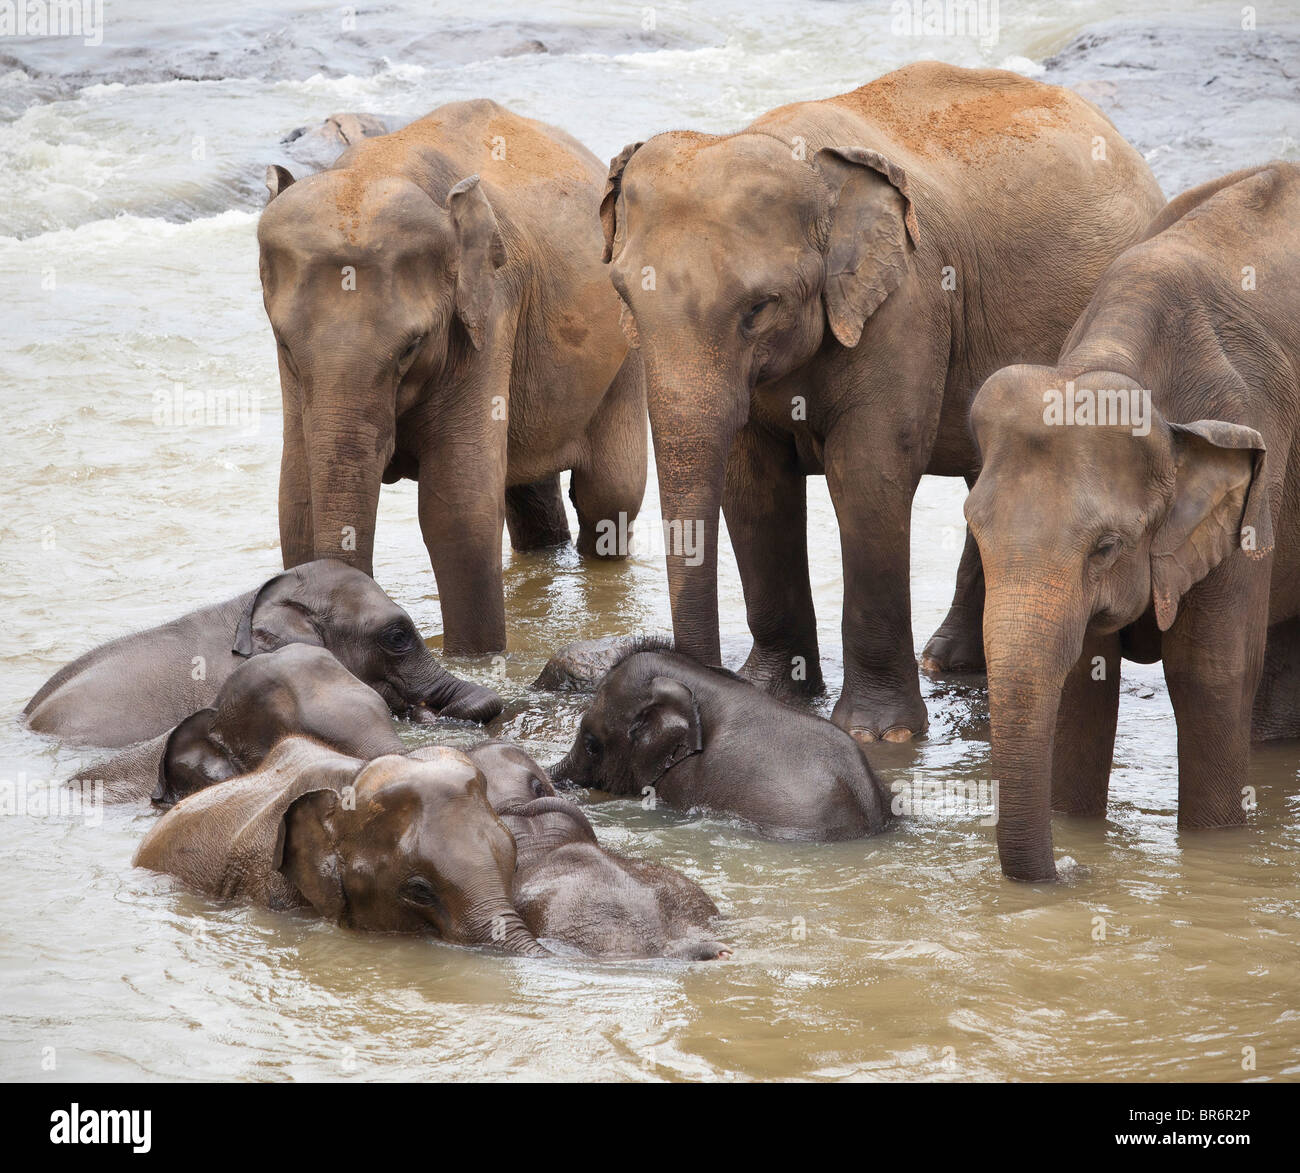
(138, 686)
(822, 293)
(1140, 499)
(440, 313)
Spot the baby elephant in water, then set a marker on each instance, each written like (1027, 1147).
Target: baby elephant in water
(569, 889)
(297, 689)
(699, 738)
(141, 685)
(396, 845)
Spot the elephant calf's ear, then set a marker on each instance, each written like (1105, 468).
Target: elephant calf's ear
(1220, 504)
(667, 728)
(481, 254)
(191, 760)
(872, 231)
(272, 619)
(306, 851)
(277, 179)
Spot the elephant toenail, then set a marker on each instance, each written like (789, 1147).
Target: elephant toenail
(898, 733)
(863, 735)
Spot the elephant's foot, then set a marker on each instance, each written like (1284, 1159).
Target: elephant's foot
(609, 543)
(895, 719)
(535, 516)
(783, 674)
(958, 645)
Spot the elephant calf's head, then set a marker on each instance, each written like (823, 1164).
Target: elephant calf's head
(297, 689)
(342, 609)
(412, 845)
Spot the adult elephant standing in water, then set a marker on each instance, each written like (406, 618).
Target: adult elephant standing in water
(441, 314)
(824, 292)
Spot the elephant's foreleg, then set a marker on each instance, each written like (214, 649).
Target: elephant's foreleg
(1085, 729)
(872, 492)
(535, 515)
(462, 509)
(765, 505)
(609, 482)
(958, 643)
(1213, 658)
(296, 537)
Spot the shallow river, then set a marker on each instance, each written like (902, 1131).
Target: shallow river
(129, 192)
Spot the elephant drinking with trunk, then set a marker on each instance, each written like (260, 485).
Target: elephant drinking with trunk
(440, 314)
(1140, 499)
(822, 293)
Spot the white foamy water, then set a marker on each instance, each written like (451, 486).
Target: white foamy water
(130, 183)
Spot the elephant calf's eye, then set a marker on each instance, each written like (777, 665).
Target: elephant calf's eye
(418, 890)
(398, 640)
(591, 745)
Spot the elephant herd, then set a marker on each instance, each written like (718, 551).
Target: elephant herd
(947, 271)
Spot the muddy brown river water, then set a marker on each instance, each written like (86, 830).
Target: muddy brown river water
(131, 268)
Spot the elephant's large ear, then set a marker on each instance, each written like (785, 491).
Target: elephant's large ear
(277, 179)
(1220, 504)
(667, 727)
(481, 251)
(192, 759)
(872, 232)
(609, 201)
(306, 851)
(271, 620)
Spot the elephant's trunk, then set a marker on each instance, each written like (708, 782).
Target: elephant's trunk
(1030, 643)
(565, 771)
(436, 692)
(503, 927)
(348, 434)
(693, 421)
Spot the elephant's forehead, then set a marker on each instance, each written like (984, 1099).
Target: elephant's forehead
(737, 173)
(337, 210)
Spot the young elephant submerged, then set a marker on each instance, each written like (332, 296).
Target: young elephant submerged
(570, 889)
(296, 689)
(397, 845)
(141, 685)
(1139, 500)
(703, 738)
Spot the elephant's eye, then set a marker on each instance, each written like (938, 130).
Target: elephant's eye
(397, 639)
(591, 745)
(409, 353)
(418, 890)
(755, 312)
(1106, 548)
